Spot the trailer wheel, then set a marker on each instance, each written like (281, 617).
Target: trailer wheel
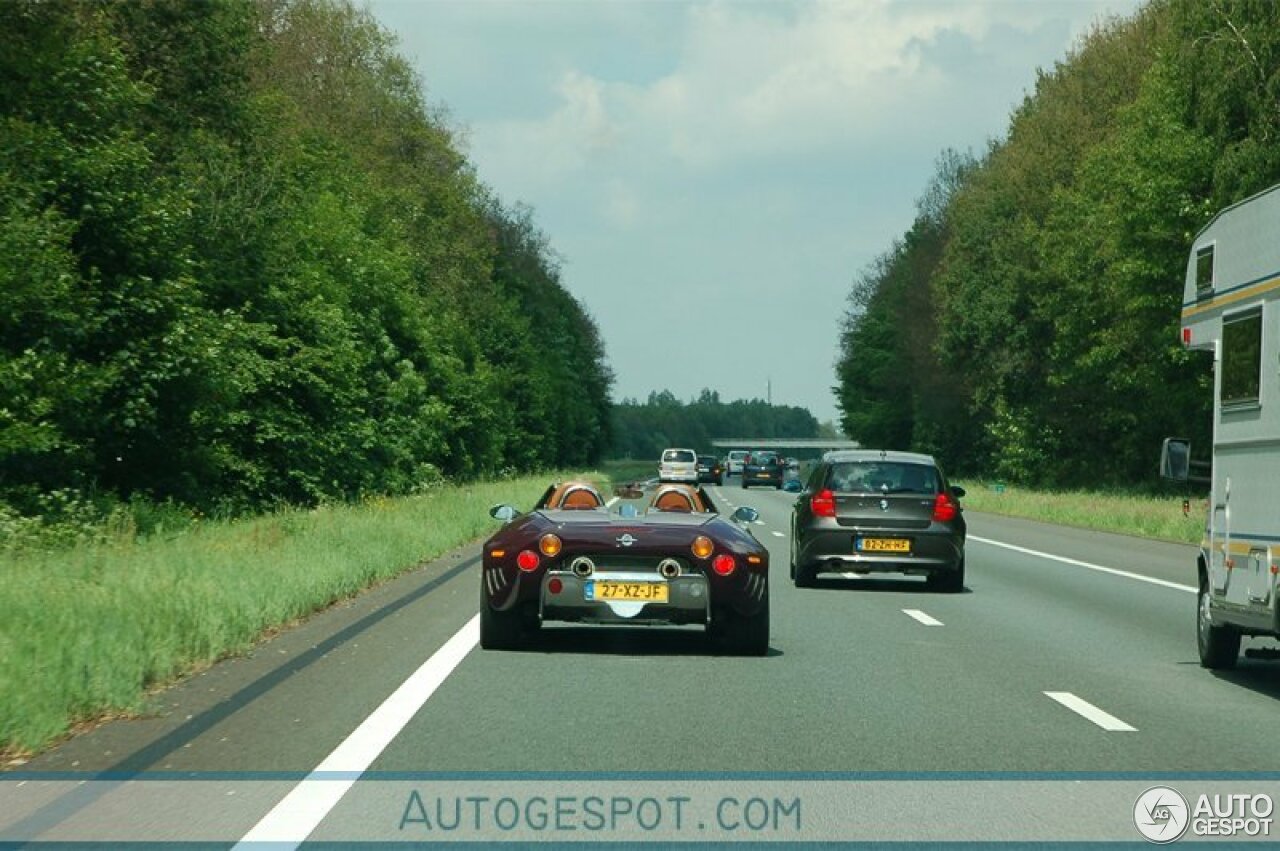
(1219, 645)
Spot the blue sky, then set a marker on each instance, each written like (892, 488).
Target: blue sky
(715, 174)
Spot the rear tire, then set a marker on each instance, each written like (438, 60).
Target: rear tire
(747, 635)
(804, 577)
(1219, 645)
(951, 582)
(500, 630)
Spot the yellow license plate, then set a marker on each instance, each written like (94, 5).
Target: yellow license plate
(641, 592)
(884, 545)
(762, 475)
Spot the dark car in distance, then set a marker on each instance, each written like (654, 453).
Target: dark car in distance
(879, 512)
(710, 470)
(572, 559)
(763, 468)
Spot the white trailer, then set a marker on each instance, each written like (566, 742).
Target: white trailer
(1231, 307)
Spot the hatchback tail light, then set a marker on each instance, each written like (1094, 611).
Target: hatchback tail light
(724, 564)
(944, 508)
(823, 503)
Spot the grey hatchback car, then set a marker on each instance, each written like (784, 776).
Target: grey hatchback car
(879, 512)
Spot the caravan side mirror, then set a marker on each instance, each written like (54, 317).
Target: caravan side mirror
(1175, 459)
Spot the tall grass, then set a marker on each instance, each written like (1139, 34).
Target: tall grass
(1130, 514)
(630, 470)
(86, 630)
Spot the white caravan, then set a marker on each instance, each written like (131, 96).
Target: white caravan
(1231, 306)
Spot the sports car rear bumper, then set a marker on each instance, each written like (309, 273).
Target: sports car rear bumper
(688, 599)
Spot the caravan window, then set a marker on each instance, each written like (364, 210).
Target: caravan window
(1204, 269)
(1241, 357)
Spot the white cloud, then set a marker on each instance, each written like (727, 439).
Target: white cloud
(759, 80)
(732, 155)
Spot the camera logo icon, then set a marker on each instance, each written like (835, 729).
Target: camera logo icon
(1161, 814)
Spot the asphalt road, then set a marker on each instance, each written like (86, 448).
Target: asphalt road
(1069, 651)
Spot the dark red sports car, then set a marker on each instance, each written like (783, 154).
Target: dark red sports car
(677, 561)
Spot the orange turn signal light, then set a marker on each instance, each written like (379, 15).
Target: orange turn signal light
(550, 545)
(497, 553)
(702, 546)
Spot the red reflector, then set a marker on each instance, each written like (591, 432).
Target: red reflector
(723, 564)
(1186, 336)
(555, 586)
(527, 560)
(823, 504)
(944, 509)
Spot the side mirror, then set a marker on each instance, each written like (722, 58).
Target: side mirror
(744, 515)
(505, 513)
(1175, 459)
(958, 491)
(628, 510)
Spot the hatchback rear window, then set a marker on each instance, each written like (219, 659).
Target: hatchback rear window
(681, 455)
(882, 477)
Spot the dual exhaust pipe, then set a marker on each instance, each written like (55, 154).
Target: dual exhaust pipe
(583, 567)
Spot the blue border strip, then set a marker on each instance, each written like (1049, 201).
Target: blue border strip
(684, 776)
(624, 843)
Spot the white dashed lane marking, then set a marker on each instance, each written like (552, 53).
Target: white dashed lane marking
(779, 535)
(916, 614)
(1084, 708)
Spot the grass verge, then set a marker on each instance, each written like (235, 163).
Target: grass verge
(629, 470)
(1146, 516)
(86, 631)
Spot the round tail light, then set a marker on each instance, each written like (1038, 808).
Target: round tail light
(702, 546)
(724, 564)
(527, 560)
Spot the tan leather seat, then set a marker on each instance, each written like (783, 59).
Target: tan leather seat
(674, 499)
(581, 497)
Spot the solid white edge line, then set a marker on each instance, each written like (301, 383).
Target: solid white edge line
(1084, 708)
(292, 820)
(1164, 583)
(916, 614)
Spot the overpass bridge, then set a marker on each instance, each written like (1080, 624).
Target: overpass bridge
(811, 444)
